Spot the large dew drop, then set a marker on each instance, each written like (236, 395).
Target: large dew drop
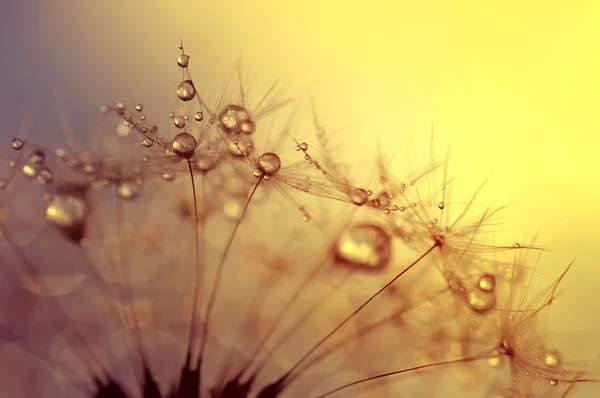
(68, 213)
(359, 196)
(364, 246)
(235, 118)
(269, 163)
(186, 90)
(184, 145)
(481, 301)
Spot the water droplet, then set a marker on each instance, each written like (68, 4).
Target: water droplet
(232, 117)
(304, 146)
(441, 205)
(120, 106)
(179, 122)
(31, 169)
(199, 116)
(486, 282)
(359, 196)
(186, 90)
(168, 176)
(496, 360)
(147, 142)
(269, 163)
(69, 213)
(44, 176)
(37, 157)
(248, 127)
(481, 301)
(171, 115)
(128, 189)
(206, 163)
(183, 60)
(517, 245)
(552, 359)
(553, 382)
(139, 107)
(123, 131)
(257, 173)
(184, 145)
(17, 144)
(364, 246)
(103, 109)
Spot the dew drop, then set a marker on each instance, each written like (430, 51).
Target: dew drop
(441, 205)
(147, 142)
(37, 157)
(486, 282)
(248, 127)
(359, 196)
(232, 117)
(199, 116)
(184, 145)
(186, 90)
(552, 359)
(179, 121)
(481, 301)
(553, 382)
(206, 163)
(168, 176)
(304, 146)
(257, 173)
(69, 213)
(139, 107)
(17, 144)
(517, 245)
(128, 190)
(364, 246)
(171, 115)
(45, 176)
(269, 163)
(183, 60)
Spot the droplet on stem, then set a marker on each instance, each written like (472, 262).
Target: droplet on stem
(364, 246)
(186, 90)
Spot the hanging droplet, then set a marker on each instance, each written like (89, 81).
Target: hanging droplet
(441, 205)
(147, 142)
(139, 107)
(128, 189)
(17, 144)
(269, 163)
(516, 245)
(69, 213)
(481, 301)
(553, 382)
(257, 173)
(179, 121)
(364, 246)
(552, 359)
(486, 282)
(232, 117)
(186, 90)
(304, 146)
(184, 145)
(206, 163)
(359, 196)
(199, 116)
(183, 60)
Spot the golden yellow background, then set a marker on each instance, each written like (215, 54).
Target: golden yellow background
(511, 88)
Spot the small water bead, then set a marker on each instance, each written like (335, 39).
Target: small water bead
(486, 282)
(147, 142)
(183, 60)
(441, 205)
(248, 127)
(31, 169)
(481, 301)
(179, 121)
(199, 116)
(364, 246)
(17, 144)
(304, 146)
(171, 115)
(139, 107)
(553, 382)
(186, 90)
(168, 176)
(232, 117)
(123, 131)
(359, 196)
(44, 176)
(269, 163)
(128, 190)
(516, 245)
(552, 359)
(184, 145)
(37, 157)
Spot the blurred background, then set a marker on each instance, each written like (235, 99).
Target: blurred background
(510, 87)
